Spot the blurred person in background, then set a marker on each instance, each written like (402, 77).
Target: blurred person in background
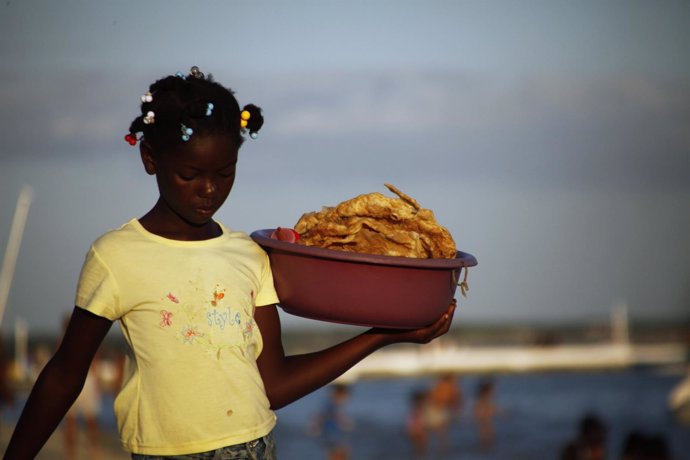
(484, 411)
(87, 407)
(444, 404)
(333, 424)
(6, 393)
(415, 425)
(641, 446)
(590, 442)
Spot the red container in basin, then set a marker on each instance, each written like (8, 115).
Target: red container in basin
(361, 289)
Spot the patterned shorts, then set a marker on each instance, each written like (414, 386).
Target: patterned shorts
(259, 449)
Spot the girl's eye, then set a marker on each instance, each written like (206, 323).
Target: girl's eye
(185, 177)
(227, 173)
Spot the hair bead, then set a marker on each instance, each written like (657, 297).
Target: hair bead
(149, 119)
(186, 132)
(244, 118)
(131, 139)
(196, 73)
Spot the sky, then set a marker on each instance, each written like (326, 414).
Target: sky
(550, 137)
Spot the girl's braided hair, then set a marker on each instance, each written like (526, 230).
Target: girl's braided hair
(177, 102)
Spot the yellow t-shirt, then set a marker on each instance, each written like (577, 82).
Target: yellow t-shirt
(186, 310)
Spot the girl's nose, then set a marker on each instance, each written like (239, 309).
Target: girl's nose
(209, 187)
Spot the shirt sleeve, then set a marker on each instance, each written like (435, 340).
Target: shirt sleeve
(97, 290)
(267, 293)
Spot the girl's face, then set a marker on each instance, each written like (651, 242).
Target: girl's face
(193, 181)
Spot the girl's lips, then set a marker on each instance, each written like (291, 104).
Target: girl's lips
(206, 211)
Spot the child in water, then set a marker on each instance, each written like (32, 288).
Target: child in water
(443, 408)
(416, 424)
(333, 424)
(195, 301)
(484, 411)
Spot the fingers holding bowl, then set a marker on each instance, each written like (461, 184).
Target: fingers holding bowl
(434, 330)
(444, 323)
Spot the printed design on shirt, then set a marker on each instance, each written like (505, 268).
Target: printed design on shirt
(206, 318)
(166, 318)
(189, 333)
(248, 331)
(250, 349)
(217, 296)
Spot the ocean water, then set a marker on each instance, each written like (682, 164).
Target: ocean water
(540, 413)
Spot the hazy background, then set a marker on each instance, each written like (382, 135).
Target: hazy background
(551, 137)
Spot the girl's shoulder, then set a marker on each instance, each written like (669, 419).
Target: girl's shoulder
(237, 236)
(117, 235)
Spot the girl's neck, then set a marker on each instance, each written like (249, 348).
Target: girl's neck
(178, 229)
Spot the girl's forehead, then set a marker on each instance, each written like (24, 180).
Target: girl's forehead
(212, 148)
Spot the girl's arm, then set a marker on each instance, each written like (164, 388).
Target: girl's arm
(288, 378)
(58, 385)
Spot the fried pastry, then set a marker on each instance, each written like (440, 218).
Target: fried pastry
(376, 224)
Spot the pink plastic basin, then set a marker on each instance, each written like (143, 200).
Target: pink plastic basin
(361, 289)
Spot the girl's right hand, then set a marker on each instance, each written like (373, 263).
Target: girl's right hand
(422, 335)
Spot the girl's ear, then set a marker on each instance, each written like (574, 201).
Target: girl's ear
(147, 157)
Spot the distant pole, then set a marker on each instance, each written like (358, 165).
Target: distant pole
(620, 329)
(21, 348)
(16, 232)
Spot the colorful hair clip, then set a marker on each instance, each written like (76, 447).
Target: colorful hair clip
(131, 139)
(149, 119)
(196, 73)
(244, 118)
(186, 132)
(209, 109)
(148, 97)
(179, 75)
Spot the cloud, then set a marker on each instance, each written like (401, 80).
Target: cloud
(62, 113)
(627, 130)
(351, 102)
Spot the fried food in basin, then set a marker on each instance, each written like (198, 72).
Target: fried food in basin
(376, 224)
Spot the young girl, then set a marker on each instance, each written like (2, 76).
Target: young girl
(334, 425)
(195, 301)
(416, 425)
(484, 411)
